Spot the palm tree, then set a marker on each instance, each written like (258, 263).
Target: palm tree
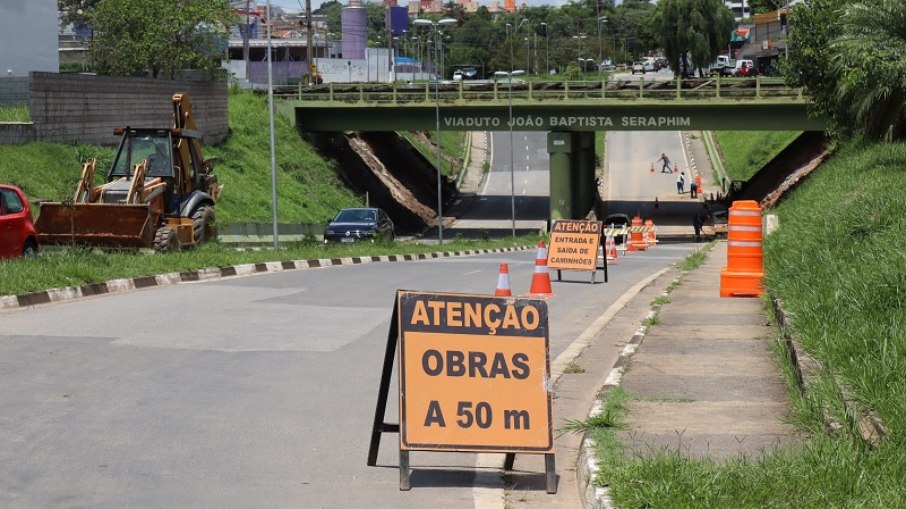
(868, 59)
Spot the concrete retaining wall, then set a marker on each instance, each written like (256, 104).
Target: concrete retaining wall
(75, 108)
(14, 90)
(16, 133)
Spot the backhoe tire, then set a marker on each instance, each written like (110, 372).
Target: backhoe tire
(203, 223)
(165, 240)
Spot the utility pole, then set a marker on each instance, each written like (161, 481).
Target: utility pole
(309, 40)
(245, 41)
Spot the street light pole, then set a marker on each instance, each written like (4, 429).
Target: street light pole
(509, 76)
(270, 110)
(435, 27)
(547, 60)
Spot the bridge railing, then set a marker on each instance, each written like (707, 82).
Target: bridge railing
(750, 89)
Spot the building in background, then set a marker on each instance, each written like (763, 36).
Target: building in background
(740, 8)
(28, 37)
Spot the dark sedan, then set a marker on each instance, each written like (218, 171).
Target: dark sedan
(351, 225)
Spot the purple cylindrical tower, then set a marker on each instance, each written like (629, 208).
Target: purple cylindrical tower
(354, 19)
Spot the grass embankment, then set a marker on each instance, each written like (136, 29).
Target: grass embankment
(745, 152)
(14, 114)
(452, 144)
(309, 191)
(308, 188)
(838, 264)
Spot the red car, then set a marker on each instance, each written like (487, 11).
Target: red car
(17, 233)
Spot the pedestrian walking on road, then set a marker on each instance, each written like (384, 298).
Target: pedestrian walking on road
(680, 182)
(693, 189)
(666, 167)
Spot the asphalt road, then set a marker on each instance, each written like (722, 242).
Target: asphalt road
(249, 392)
(517, 179)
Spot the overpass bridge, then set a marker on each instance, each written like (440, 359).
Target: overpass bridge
(571, 112)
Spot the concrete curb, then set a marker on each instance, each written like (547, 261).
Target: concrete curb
(206, 274)
(595, 497)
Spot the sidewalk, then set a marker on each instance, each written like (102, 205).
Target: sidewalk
(704, 380)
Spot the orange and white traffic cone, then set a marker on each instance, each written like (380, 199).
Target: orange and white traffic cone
(675, 168)
(503, 282)
(541, 278)
(652, 167)
(611, 244)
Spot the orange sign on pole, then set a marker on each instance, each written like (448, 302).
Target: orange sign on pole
(574, 246)
(474, 376)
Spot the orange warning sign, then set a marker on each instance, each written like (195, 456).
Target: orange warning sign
(474, 373)
(574, 245)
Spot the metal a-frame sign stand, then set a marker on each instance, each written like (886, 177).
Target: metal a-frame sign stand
(379, 425)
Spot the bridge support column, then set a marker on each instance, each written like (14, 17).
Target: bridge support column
(560, 147)
(583, 173)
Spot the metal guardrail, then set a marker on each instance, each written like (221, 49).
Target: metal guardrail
(750, 89)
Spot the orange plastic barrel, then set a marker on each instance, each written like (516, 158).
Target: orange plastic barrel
(742, 277)
(652, 238)
(635, 232)
(698, 183)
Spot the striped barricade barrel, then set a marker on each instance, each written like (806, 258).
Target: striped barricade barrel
(744, 272)
(635, 234)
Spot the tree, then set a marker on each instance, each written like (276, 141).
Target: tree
(75, 11)
(159, 37)
(867, 58)
(693, 32)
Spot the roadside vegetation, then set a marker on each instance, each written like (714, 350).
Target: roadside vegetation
(74, 267)
(746, 152)
(10, 113)
(452, 144)
(837, 264)
(309, 189)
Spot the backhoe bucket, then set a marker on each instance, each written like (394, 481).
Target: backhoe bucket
(95, 224)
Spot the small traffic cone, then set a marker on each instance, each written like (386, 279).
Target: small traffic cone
(611, 245)
(675, 168)
(503, 282)
(652, 167)
(541, 278)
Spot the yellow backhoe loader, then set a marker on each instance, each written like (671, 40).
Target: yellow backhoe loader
(159, 193)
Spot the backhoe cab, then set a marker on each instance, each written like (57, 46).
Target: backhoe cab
(159, 193)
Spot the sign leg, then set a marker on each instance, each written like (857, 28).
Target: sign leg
(378, 427)
(550, 471)
(509, 460)
(558, 274)
(404, 471)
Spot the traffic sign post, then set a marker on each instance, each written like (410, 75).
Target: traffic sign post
(474, 376)
(574, 246)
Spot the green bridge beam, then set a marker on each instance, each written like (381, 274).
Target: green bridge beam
(686, 115)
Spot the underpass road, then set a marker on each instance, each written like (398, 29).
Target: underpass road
(245, 392)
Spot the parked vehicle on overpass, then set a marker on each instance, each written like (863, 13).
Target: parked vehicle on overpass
(17, 233)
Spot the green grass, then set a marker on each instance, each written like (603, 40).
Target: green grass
(746, 152)
(18, 113)
(572, 369)
(65, 267)
(660, 300)
(838, 263)
(452, 143)
(608, 419)
(696, 259)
